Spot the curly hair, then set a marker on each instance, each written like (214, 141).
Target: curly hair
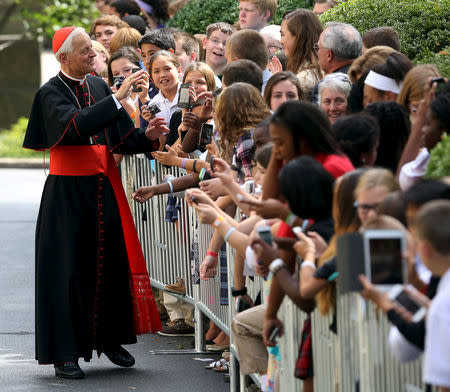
(239, 108)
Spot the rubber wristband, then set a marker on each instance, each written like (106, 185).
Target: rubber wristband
(218, 221)
(290, 219)
(170, 186)
(229, 232)
(309, 264)
(212, 254)
(183, 163)
(194, 164)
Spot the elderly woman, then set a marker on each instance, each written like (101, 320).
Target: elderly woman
(333, 92)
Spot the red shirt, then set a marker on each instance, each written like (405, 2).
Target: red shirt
(336, 165)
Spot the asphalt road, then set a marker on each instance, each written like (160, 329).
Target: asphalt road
(20, 192)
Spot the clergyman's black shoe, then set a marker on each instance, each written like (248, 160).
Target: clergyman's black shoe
(120, 357)
(69, 370)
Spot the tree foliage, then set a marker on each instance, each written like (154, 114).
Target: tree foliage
(421, 24)
(55, 14)
(198, 14)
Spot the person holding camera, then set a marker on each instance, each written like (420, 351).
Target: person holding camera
(92, 285)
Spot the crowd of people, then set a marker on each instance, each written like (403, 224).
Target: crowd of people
(310, 132)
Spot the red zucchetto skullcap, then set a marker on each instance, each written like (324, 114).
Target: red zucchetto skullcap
(60, 36)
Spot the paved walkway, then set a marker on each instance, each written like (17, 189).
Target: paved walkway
(19, 202)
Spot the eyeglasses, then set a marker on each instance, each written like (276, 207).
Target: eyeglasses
(217, 42)
(317, 48)
(365, 207)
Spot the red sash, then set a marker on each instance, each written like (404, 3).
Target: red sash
(91, 160)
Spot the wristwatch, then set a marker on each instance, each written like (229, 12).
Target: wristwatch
(237, 293)
(276, 265)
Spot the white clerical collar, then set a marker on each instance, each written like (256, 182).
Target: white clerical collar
(81, 81)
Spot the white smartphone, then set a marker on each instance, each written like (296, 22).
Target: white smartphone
(383, 257)
(298, 229)
(398, 294)
(265, 234)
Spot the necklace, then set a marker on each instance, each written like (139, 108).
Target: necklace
(89, 92)
(91, 140)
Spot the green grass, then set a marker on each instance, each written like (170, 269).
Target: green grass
(11, 142)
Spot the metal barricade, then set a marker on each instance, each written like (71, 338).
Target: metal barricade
(357, 359)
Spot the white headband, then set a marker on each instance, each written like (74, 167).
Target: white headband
(382, 82)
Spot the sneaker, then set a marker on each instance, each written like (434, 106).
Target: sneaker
(177, 327)
(177, 288)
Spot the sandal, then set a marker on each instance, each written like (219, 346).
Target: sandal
(214, 365)
(224, 368)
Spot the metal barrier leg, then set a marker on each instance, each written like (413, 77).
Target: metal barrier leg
(199, 339)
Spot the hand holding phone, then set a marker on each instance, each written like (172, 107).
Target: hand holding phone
(274, 335)
(399, 295)
(135, 88)
(184, 98)
(265, 234)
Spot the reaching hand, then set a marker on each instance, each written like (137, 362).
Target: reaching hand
(213, 188)
(270, 208)
(156, 127)
(144, 84)
(269, 325)
(205, 212)
(222, 170)
(191, 120)
(275, 65)
(143, 194)
(168, 158)
(264, 253)
(304, 246)
(208, 268)
(319, 242)
(206, 109)
(125, 90)
(197, 196)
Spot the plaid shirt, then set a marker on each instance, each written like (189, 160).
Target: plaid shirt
(242, 158)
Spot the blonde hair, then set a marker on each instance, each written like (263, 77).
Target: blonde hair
(126, 36)
(265, 5)
(370, 58)
(239, 108)
(377, 177)
(205, 70)
(414, 83)
(99, 48)
(345, 221)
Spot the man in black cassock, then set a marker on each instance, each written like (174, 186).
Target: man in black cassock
(92, 286)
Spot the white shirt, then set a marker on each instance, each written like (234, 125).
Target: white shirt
(168, 108)
(413, 171)
(436, 369)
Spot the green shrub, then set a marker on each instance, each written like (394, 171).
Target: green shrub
(56, 14)
(198, 14)
(421, 24)
(440, 59)
(11, 141)
(439, 165)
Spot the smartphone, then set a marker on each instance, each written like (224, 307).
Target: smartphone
(265, 234)
(135, 88)
(440, 84)
(204, 175)
(383, 257)
(206, 135)
(249, 186)
(399, 295)
(153, 108)
(194, 200)
(298, 229)
(275, 333)
(117, 81)
(211, 162)
(184, 99)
